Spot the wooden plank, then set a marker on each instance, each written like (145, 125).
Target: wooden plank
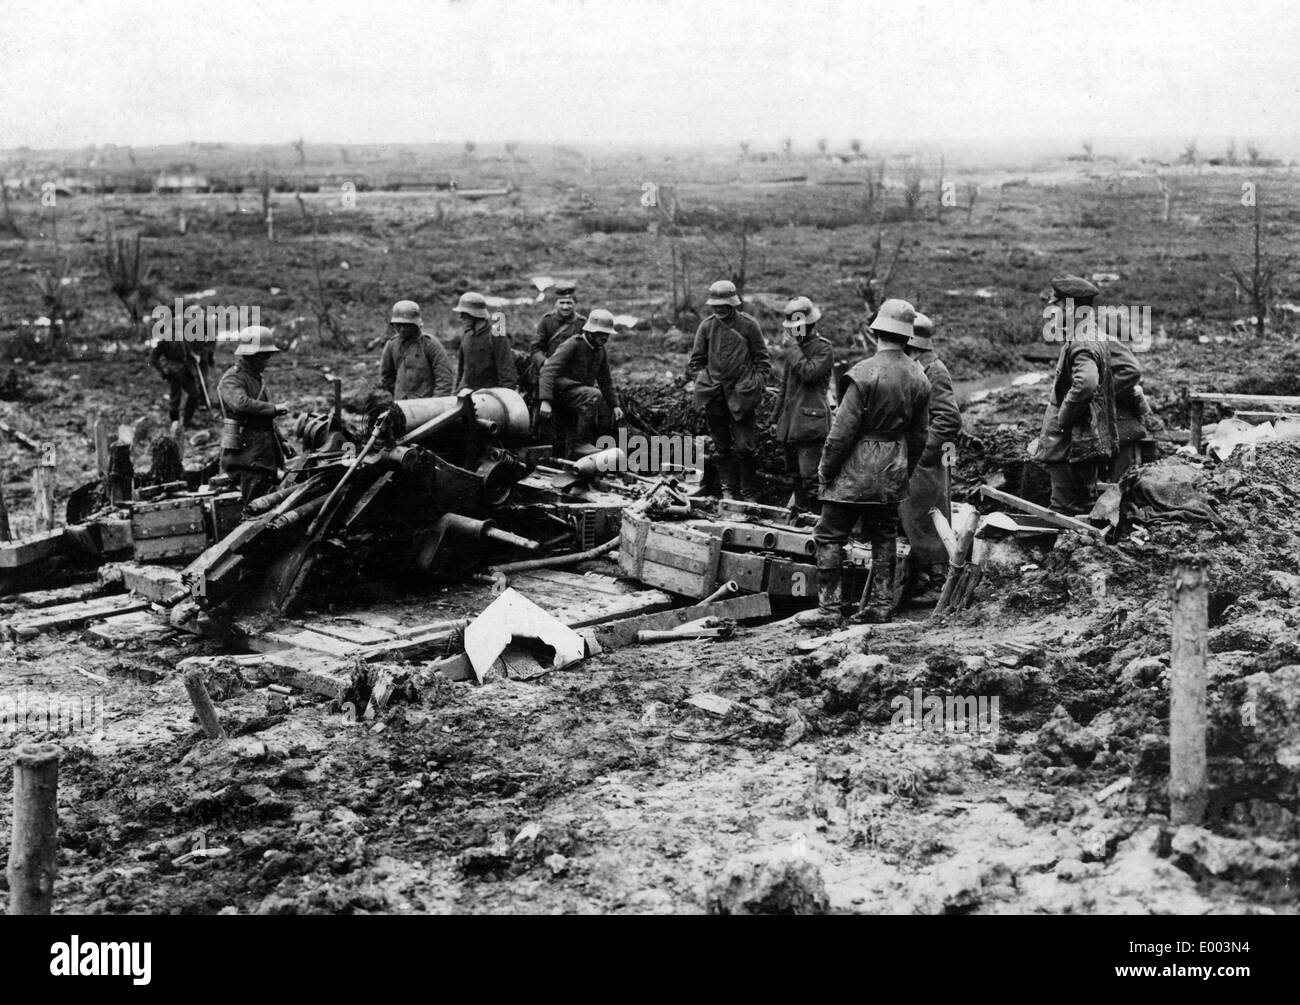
(20, 436)
(34, 548)
(605, 609)
(1025, 506)
(272, 642)
(696, 546)
(356, 634)
(76, 593)
(157, 582)
(696, 566)
(137, 626)
(74, 615)
(180, 546)
(617, 634)
(588, 582)
(298, 668)
(711, 563)
(673, 580)
(1286, 400)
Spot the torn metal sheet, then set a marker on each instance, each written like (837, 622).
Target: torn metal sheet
(513, 616)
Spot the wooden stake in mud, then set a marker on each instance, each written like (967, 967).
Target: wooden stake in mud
(5, 533)
(35, 829)
(1187, 788)
(119, 479)
(43, 478)
(99, 434)
(203, 706)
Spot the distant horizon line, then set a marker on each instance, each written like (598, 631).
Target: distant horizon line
(834, 145)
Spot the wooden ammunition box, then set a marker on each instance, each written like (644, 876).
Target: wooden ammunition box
(170, 528)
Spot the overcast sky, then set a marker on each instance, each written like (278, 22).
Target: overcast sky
(663, 71)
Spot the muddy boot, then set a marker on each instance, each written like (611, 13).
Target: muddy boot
(830, 590)
(729, 475)
(748, 466)
(880, 603)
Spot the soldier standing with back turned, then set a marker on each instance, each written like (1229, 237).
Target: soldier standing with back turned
(875, 444)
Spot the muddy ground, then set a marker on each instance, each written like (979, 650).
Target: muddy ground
(599, 788)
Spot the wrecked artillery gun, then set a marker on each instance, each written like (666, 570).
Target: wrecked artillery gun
(429, 471)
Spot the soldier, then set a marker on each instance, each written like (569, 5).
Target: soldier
(730, 365)
(875, 444)
(1078, 438)
(484, 359)
(929, 486)
(414, 365)
(803, 416)
(1133, 414)
(181, 365)
(576, 379)
(250, 445)
(555, 327)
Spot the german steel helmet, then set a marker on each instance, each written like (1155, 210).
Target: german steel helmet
(600, 321)
(255, 340)
(723, 292)
(405, 312)
(472, 304)
(895, 317)
(800, 306)
(922, 333)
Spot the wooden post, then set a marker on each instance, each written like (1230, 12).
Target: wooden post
(5, 533)
(43, 479)
(203, 706)
(1197, 412)
(1187, 787)
(34, 842)
(99, 434)
(119, 480)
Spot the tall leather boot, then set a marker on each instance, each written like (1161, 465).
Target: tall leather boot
(881, 602)
(729, 475)
(830, 589)
(748, 466)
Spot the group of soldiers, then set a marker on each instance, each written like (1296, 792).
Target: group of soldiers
(870, 456)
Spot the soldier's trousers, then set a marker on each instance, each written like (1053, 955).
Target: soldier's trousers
(838, 521)
(253, 483)
(732, 437)
(1072, 485)
(178, 387)
(579, 413)
(801, 460)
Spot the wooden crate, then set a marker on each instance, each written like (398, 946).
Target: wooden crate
(673, 557)
(169, 528)
(225, 510)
